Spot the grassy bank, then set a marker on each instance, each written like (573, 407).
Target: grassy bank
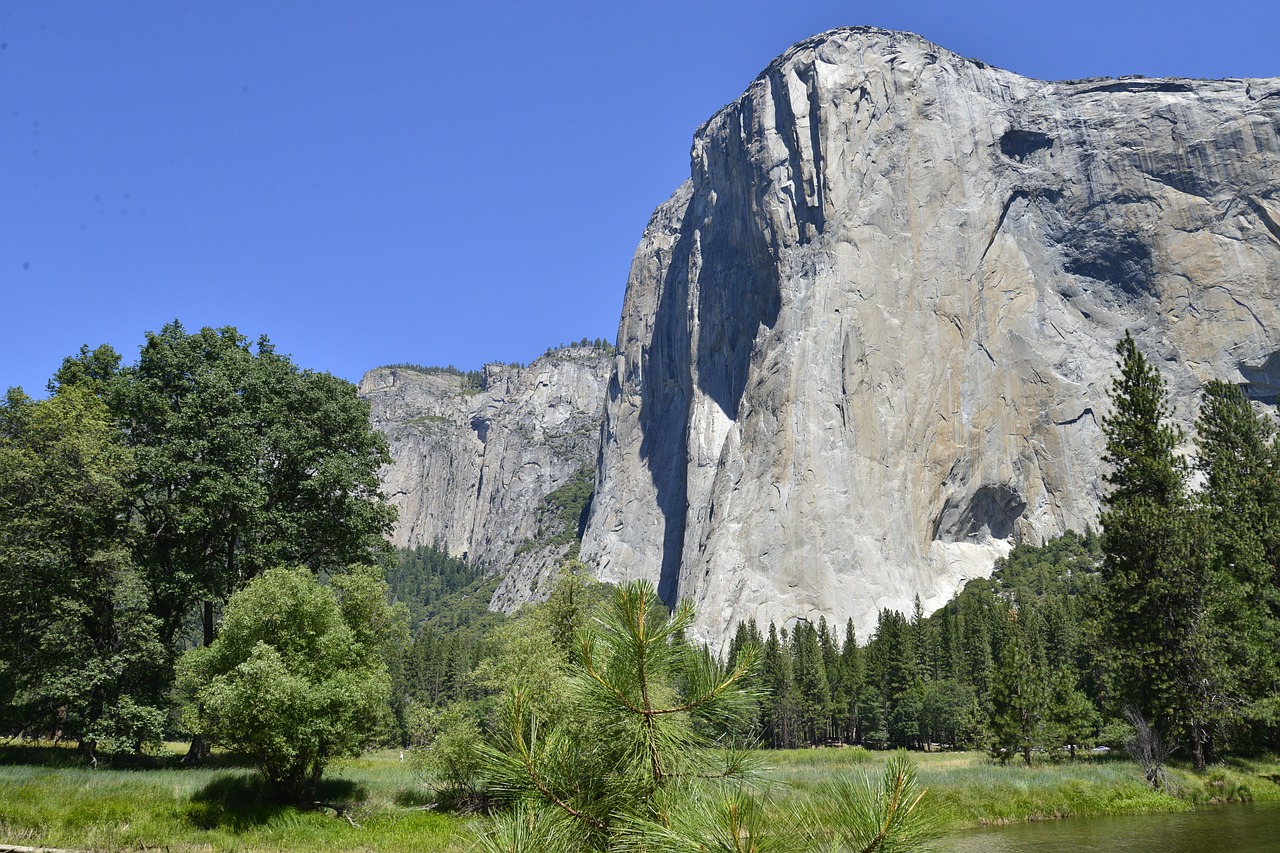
(50, 802)
(973, 791)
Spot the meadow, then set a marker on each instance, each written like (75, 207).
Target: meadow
(48, 798)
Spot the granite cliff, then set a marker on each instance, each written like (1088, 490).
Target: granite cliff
(867, 344)
(476, 457)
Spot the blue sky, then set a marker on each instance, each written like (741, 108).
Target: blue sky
(428, 182)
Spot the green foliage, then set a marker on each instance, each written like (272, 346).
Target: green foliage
(136, 497)
(1237, 453)
(447, 592)
(864, 814)
(562, 515)
(446, 744)
(295, 677)
(629, 743)
(1188, 632)
(1017, 699)
(244, 462)
(79, 652)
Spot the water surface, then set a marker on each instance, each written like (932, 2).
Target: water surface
(1235, 828)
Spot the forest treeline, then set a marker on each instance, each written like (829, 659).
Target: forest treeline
(145, 504)
(1167, 623)
(1167, 617)
(136, 500)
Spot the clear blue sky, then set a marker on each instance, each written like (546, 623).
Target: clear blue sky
(433, 182)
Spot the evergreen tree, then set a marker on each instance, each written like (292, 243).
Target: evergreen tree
(811, 682)
(1237, 454)
(1154, 571)
(783, 703)
(848, 691)
(628, 757)
(1070, 718)
(1017, 697)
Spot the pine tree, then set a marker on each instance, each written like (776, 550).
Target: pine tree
(1237, 454)
(783, 699)
(1154, 569)
(1070, 718)
(631, 755)
(849, 689)
(1017, 695)
(811, 682)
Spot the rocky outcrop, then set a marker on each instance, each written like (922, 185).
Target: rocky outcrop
(475, 457)
(867, 345)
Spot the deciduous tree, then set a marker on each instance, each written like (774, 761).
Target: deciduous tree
(296, 676)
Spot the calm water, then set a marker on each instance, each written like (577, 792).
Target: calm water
(1236, 828)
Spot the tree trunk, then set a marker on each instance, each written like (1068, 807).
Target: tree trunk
(208, 622)
(1197, 746)
(198, 751)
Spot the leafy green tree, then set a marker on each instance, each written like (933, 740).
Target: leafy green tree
(296, 677)
(242, 462)
(446, 751)
(946, 712)
(79, 651)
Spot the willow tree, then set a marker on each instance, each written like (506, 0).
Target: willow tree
(296, 677)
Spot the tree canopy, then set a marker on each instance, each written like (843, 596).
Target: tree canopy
(139, 498)
(296, 676)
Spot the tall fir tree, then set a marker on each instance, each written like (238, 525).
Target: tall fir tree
(1018, 698)
(1154, 571)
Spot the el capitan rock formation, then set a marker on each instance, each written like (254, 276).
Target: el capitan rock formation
(867, 344)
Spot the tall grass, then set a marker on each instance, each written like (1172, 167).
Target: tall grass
(971, 790)
(48, 799)
(215, 809)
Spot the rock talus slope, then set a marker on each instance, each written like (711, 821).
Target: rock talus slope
(473, 463)
(867, 345)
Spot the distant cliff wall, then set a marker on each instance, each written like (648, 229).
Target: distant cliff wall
(474, 463)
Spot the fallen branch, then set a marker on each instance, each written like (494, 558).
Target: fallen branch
(339, 810)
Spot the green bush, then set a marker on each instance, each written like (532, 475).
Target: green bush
(295, 677)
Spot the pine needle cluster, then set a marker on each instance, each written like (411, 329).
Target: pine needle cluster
(646, 759)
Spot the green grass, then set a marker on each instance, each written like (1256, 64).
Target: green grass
(221, 808)
(48, 798)
(974, 791)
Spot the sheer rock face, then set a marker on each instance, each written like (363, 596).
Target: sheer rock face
(471, 466)
(868, 344)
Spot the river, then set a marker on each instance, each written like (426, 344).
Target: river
(1236, 828)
